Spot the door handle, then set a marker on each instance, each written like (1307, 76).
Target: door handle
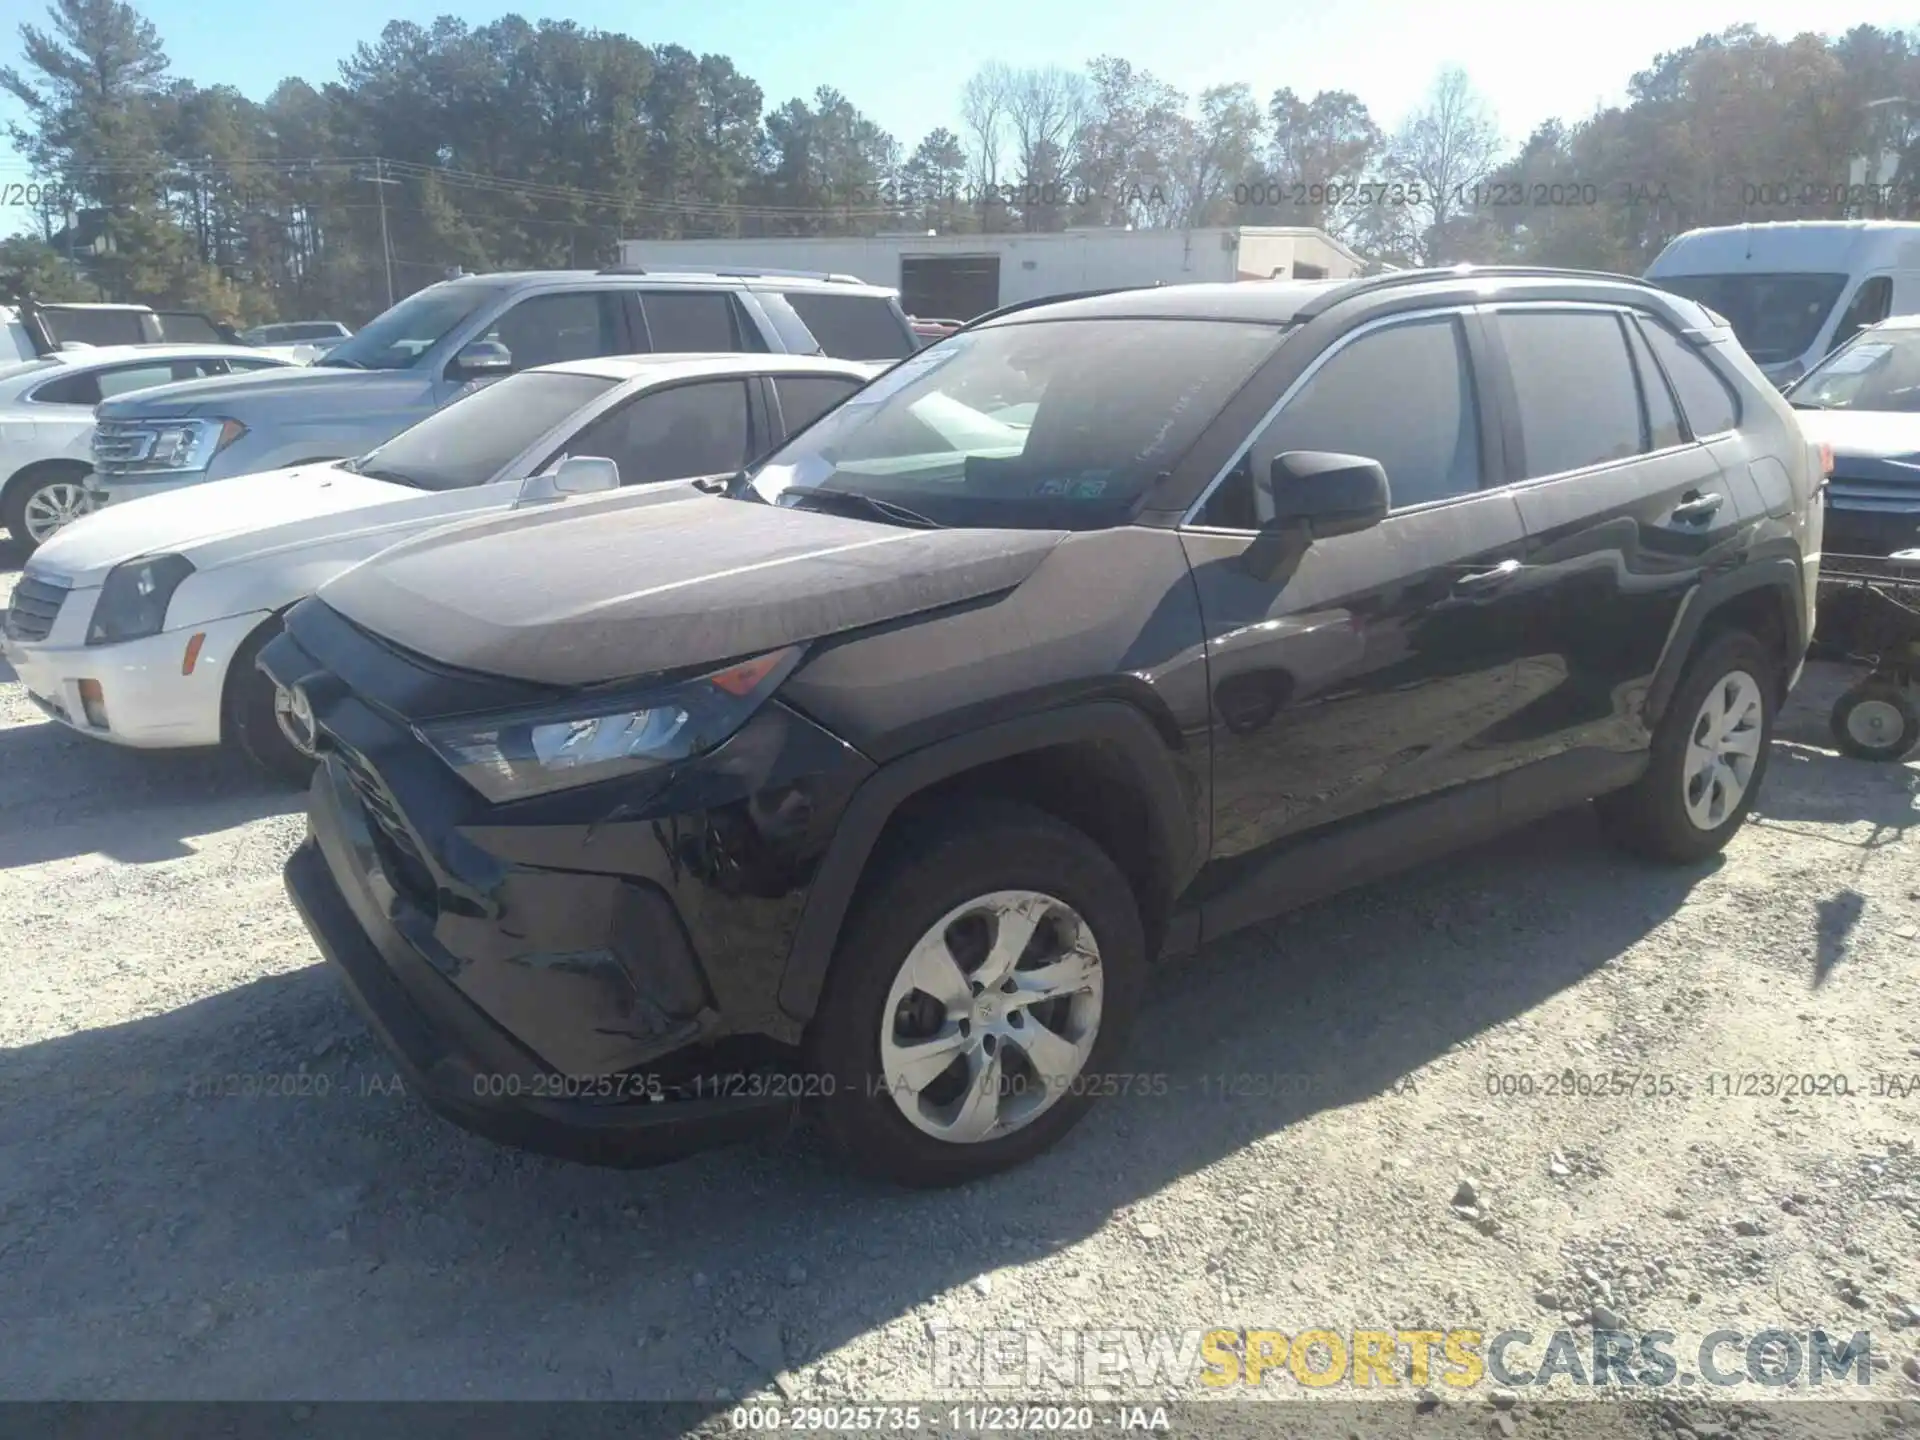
(1487, 579)
(1697, 507)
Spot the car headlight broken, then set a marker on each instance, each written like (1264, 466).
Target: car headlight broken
(581, 741)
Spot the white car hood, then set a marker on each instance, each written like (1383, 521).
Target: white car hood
(250, 516)
(1869, 434)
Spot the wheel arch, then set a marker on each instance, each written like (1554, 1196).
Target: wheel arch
(1102, 766)
(1763, 597)
(254, 642)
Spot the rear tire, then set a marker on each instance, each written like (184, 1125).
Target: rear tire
(955, 888)
(1876, 720)
(1708, 760)
(254, 719)
(38, 499)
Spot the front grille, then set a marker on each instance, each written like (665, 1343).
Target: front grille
(120, 445)
(395, 840)
(35, 603)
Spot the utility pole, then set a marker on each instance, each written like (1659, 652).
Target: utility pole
(381, 182)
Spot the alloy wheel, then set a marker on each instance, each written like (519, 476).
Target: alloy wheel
(1722, 749)
(993, 1014)
(54, 506)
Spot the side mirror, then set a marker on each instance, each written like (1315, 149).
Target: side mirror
(1319, 494)
(575, 475)
(478, 358)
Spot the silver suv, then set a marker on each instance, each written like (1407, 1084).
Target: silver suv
(461, 333)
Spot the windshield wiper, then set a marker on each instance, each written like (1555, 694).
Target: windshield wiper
(392, 477)
(846, 500)
(1807, 405)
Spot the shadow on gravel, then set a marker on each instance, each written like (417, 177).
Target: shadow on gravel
(1839, 915)
(13, 555)
(348, 1244)
(62, 795)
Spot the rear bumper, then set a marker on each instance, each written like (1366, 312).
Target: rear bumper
(463, 1065)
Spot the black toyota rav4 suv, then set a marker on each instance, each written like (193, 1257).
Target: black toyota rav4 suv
(875, 777)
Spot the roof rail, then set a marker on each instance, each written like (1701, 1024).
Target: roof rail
(1020, 305)
(1366, 285)
(729, 272)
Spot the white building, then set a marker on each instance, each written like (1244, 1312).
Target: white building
(956, 277)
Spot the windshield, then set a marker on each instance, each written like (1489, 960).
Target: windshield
(400, 336)
(1876, 370)
(470, 441)
(1061, 423)
(1776, 318)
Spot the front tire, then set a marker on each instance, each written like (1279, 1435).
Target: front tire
(1876, 720)
(979, 994)
(258, 721)
(1709, 758)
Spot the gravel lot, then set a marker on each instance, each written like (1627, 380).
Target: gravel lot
(156, 1243)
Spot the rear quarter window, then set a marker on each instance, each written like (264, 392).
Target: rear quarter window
(853, 327)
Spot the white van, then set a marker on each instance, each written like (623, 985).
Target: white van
(1795, 290)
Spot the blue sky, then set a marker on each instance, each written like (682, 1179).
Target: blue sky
(904, 61)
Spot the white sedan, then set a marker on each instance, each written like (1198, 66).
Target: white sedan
(139, 624)
(46, 420)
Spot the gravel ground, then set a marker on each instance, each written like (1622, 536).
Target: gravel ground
(160, 1243)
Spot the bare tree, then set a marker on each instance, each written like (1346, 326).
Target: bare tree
(1045, 112)
(984, 103)
(1447, 147)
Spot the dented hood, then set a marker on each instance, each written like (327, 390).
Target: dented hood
(638, 582)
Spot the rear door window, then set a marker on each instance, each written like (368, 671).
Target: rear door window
(673, 434)
(805, 398)
(1574, 383)
(1663, 419)
(853, 327)
(1708, 402)
(694, 322)
(93, 386)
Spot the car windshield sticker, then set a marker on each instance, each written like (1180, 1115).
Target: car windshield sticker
(1088, 489)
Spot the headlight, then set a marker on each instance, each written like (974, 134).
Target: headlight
(586, 739)
(133, 602)
(177, 446)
